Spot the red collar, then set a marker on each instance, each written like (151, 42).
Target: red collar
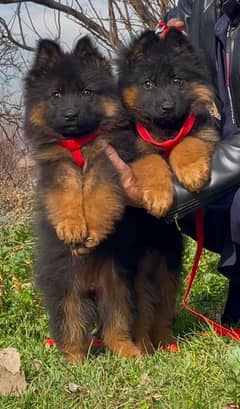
(168, 145)
(74, 146)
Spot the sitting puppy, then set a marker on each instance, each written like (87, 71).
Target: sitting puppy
(127, 284)
(167, 92)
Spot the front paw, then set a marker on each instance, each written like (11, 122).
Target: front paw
(194, 176)
(158, 202)
(85, 247)
(72, 231)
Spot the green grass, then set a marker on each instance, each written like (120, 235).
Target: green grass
(204, 374)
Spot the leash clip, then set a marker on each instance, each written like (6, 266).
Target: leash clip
(176, 222)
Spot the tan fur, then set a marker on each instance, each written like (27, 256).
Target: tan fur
(156, 289)
(54, 152)
(161, 333)
(145, 308)
(116, 333)
(208, 135)
(153, 177)
(74, 342)
(130, 96)
(110, 107)
(64, 204)
(105, 199)
(191, 160)
(71, 311)
(72, 353)
(204, 96)
(37, 115)
(82, 211)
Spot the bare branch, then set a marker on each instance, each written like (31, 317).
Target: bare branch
(13, 40)
(84, 20)
(113, 35)
(143, 12)
(31, 21)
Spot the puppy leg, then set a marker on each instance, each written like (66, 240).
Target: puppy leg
(116, 313)
(64, 205)
(145, 305)
(74, 341)
(103, 207)
(161, 332)
(191, 159)
(154, 179)
(70, 314)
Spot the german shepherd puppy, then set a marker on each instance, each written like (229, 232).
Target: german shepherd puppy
(162, 82)
(127, 284)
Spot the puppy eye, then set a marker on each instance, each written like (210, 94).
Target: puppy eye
(177, 81)
(56, 94)
(87, 92)
(148, 84)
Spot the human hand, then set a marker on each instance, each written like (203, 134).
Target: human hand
(128, 181)
(174, 22)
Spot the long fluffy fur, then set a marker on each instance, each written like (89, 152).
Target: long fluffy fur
(95, 258)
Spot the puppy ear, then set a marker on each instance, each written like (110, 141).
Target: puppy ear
(140, 46)
(48, 55)
(89, 54)
(175, 38)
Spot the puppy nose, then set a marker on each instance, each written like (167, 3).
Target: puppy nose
(70, 116)
(167, 106)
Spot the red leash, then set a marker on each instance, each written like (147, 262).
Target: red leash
(218, 328)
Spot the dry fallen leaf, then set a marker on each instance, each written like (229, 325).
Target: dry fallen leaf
(37, 364)
(73, 388)
(154, 397)
(145, 379)
(12, 381)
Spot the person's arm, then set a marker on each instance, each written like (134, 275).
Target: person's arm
(181, 12)
(134, 195)
(225, 175)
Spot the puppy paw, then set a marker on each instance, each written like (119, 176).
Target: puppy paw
(72, 231)
(126, 349)
(85, 247)
(194, 176)
(79, 250)
(158, 203)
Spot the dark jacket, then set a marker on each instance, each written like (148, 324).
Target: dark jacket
(216, 34)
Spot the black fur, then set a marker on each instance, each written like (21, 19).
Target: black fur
(69, 87)
(163, 71)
